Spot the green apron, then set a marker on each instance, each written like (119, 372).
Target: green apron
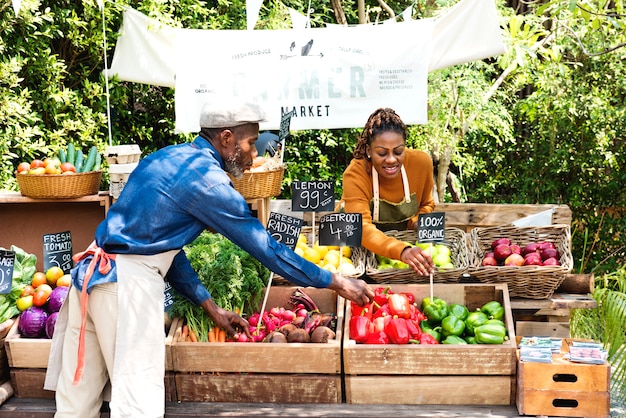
(388, 215)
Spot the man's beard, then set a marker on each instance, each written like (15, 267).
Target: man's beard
(233, 164)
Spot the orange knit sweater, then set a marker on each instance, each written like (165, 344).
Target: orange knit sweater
(358, 193)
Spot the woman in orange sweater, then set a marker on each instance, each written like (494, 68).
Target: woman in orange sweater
(389, 185)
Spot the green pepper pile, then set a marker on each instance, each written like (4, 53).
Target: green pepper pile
(455, 324)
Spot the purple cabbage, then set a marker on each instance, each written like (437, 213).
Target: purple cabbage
(32, 322)
(57, 297)
(50, 323)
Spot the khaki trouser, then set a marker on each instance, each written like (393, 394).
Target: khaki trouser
(124, 344)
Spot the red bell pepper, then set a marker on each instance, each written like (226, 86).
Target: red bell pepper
(410, 296)
(381, 294)
(399, 305)
(397, 331)
(377, 338)
(417, 315)
(380, 322)
(414, 329)
(356, 309)
(382, 311)
(427, 339)
(361, 325)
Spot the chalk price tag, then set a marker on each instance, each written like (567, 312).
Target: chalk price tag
(285, 123)
(342, 229)
(431, 227)
(57, 251)
(7, 261)
(284, 228)
(168, 296)
(312, 196)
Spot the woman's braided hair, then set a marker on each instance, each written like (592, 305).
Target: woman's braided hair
(381, 120)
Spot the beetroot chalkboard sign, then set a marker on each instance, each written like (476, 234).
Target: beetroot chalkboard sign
(343, 229)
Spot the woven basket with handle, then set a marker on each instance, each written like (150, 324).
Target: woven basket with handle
(258, 184)
(532, 282)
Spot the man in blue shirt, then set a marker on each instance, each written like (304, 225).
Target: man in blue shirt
(110, 330)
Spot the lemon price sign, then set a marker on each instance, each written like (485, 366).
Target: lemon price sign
(312, 196)
(7, 261)
(284, 228)
(342, 229)
(431, 227)
(57, 251)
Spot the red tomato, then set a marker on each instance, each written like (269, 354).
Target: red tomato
(65, 167)
(37, 163)
(28, 290)
(40, 298)
(23, 167)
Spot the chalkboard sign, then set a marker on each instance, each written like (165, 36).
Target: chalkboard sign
(169, 298)
(57, 251)
(431, 227)
(312, 196)
(285, 122)
(343, 229)
(284, 228)
(7, 261)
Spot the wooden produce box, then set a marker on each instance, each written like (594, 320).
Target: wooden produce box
(563, 388)
(245, 372)
(33, 353)
(435, 374)
(5, 327)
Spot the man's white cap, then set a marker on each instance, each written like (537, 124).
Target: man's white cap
(230, 112)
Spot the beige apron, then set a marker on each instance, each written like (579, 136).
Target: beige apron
(132, 346)
(388, 215)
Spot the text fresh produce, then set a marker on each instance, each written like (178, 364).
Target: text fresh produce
(394, 318)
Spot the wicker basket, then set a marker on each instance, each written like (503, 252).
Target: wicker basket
(257, 184)
(532, 282)
(456, 239)
(357, 257)
(59, 186)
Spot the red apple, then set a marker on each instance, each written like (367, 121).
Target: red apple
(488, 254)
(532, 259)
(514, 260)
(551, 262)
(489, 261)
(516, 249)
(499, 241)
(501, 252)
(549, 253)
(545, 244)
(530, 248)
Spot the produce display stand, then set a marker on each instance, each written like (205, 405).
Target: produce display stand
(264, 373)
(425, 374)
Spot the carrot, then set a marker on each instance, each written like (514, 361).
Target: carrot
(192, 336)
(212, 338)
(221, 336)
(184, 334)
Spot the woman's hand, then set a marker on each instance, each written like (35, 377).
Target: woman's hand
(418, 260)
(227, 320)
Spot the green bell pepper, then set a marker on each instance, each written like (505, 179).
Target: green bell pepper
(495, 322)
(493, 309)
(435, 309)
(451, 325)
(475, 319)
(454, 339)
(470, 339)
(490, 334)
(458, 310)
(434, 332)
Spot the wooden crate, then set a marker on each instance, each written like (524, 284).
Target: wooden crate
(259, 388)
(416, 374)
(28, 383)
(563, 388)
(33, 353)
(5, 327)
(267, 358)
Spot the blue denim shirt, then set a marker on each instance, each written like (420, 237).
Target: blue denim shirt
(170, 198)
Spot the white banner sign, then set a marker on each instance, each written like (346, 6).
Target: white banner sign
(330, 77)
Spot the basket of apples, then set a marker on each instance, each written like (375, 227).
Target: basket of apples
(60, 178)
(533, 261)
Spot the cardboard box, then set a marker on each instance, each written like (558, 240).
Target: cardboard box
(304, 358)
(563, 388)
(33, 353)
(425, 374)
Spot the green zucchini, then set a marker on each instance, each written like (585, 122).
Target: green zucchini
(91, 159)
(98, 163)
(62, 155)
(80, 159)
(71, 154)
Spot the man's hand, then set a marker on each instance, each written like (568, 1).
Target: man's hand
(355, 290)
(227, 320)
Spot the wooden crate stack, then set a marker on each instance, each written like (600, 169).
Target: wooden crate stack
(260, 372)
(435, 374)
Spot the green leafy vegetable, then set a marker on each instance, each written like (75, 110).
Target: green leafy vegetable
(24, 268)
(234, 278)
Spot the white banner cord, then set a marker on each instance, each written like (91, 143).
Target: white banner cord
(106, 77)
